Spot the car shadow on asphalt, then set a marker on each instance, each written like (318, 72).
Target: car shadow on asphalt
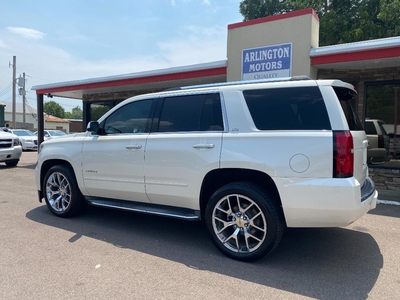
(331, 263)
(387, 210)
(31, 166)
(25, 166)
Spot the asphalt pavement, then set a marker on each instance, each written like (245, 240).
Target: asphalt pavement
(110, 254)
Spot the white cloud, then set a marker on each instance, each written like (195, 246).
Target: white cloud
(27, 33)
(44, 63)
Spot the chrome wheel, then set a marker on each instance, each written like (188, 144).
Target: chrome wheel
(58, 192)
(239, 223)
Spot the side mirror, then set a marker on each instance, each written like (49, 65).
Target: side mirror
(93, 127)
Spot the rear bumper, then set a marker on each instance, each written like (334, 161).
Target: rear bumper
(326, 202)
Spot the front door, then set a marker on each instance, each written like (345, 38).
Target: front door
(113, 161)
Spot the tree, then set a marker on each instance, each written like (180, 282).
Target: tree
(54, 109)
(76, 113)
(97, 111)
(341, 21)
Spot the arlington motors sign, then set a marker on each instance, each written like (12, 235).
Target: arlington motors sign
(267, 62)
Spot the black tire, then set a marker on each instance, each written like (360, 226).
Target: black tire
(12, 163)
(61, 192)
(244, 221)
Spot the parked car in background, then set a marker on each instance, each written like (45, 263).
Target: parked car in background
(52, 133)
(378, 149)
(10, 148)
(5, 129)
(28, 138)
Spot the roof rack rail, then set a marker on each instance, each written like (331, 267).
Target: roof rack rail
(293, 78)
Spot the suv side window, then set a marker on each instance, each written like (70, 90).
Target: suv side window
(191, 113)
(298, 108)
(132, 118)
(370, 128)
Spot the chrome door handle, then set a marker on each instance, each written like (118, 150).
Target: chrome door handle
(203, 146)
(129, 147)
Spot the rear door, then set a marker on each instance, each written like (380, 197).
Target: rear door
(347, 98)
(184, 145)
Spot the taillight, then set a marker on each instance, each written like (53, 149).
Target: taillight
(381, 141)
(343, 154)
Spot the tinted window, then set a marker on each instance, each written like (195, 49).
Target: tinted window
(383, 130)
(370, 128)
(191, 113)
(300, 108)
(346, 98)
(131, 118)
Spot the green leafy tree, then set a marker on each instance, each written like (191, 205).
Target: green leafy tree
(76, 113)
(389, 14)
(54, 109)
(98, 111)
(341, 21)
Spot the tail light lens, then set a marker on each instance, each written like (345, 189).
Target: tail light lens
(381, 141)
(343, 154)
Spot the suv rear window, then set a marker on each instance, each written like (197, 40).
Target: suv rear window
(299, 108)
(346, 98)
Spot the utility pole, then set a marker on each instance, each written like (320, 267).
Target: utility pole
(23, 100)
(395, 123)
(22, 92)
(14, 102)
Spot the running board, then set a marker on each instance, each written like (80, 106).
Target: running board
(147, 208)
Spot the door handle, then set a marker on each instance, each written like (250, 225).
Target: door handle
(203, 146)
(130, 147)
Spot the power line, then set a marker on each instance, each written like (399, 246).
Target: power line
(6, 90)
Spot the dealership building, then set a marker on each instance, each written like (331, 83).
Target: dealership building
(278, 46)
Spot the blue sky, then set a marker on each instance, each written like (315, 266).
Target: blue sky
(65, 40)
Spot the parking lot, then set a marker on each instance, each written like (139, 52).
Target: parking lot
(107, 254)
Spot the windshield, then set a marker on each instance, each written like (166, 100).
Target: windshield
(23, 133)
(57, 133)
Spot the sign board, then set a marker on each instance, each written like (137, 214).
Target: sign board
(267, 62)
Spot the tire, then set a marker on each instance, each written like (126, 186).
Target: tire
(61, 192)
(244, 221)
(12, 163)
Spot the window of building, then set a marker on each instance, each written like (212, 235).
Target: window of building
(382, 103)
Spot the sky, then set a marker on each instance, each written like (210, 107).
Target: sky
(65, 40)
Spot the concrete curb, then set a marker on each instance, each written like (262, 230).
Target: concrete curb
(388, 202)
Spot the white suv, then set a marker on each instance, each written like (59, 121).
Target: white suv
(248, 158)
(10, 148)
